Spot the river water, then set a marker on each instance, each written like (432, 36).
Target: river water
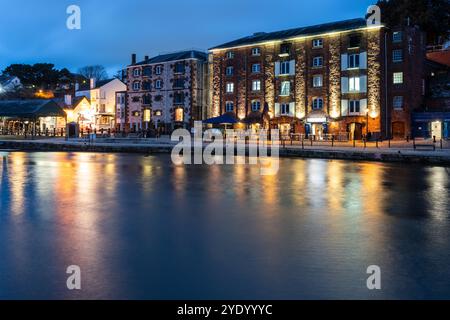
(140, 227)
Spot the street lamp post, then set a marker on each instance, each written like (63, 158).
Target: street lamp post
(367, 123)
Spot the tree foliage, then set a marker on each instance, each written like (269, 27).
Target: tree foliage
(97, 72)
(433, 16)
(40, 75)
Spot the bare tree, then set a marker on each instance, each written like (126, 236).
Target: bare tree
(97, 72)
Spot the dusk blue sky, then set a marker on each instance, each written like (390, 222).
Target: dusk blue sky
(35, 31)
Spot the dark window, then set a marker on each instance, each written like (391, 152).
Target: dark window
(178, 83)
(146, 85)
(285, 48)
(178, 98)
(136, 99)
(147, 71)
(354, 41)
(179, 67)
(147, 99)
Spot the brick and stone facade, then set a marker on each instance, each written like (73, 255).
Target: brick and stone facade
(332, 79)
(167, 91)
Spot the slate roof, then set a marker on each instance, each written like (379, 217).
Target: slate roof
(27, 109)
(181, 55)
(297, 32)
(75, 101)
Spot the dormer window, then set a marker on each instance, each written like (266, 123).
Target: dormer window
(230, 55)
(317, 43)
(256, 51)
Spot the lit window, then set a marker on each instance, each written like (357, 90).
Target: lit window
(317, 43)
(317, 81)
(285, 67)
(256, 68)
(147, 115)
(397, 55)
(158, 113)
(353, 61)
(256, 51)
(398, 102)
(158, 70)
(256, 85)
(354, 107)
(230, 55)
(229, 106)
(318, 62)
(285, 88)
(354, 84)
(230, 71)
(397, 36)
(158, 84)
(317, 103)
(179, 115)
(398, 77)
(230, 87)
(256, 105)
(284, 109)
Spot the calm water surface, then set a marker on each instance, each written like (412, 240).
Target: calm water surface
(140, 227)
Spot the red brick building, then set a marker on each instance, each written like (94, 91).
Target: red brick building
(344, 79)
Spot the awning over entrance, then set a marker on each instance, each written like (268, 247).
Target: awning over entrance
(431, 116)
(223, 119)
(30, 109)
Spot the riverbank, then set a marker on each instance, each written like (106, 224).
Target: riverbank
(439, 157)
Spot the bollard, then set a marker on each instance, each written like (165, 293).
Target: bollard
(441, 143)
(303, 143)
(376, 143)
(332, 141)
(311, 138)
(389, 142)
(354, 143)
(365, 142)
(434, 139)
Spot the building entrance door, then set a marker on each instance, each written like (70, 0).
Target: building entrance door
(317, 131)
(285, 129)
(436, 129)
(355, 130)
(398, 130)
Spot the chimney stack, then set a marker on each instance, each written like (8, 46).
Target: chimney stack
(146, 58)
(133, 58)
(68, 99)
(92, 83)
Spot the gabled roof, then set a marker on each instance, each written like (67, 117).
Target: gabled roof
(181, 55)
(260, 37)
(4, 80)
(30, 109)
